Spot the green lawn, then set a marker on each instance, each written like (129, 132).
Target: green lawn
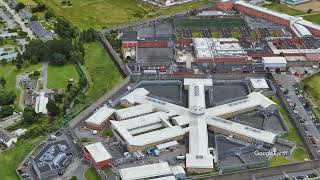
(101, 13)
(300, 154)
(103, 73)
(27, 2)
(279, 160)
(313, 18)
(10, 159)
(312, 86)
(91, 174)
(292, 134)
(10, 72)
(284, 9)
(58, 76)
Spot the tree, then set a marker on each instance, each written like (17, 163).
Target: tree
(48, 15)
(29, 115)
(6, 111)
(59, 98)
(58, 59)
(19, 6)
(52, 108)
(64, 28)
(3, 82)
(6, 98)
(309, 11)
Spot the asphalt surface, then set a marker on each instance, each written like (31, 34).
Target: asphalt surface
(288, 82)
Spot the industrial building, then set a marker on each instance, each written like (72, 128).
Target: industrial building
(157, 171)
(275, 63)
(52, 160)
(98, 155)
(100, 118)
(171, 122)
(218, 50)
(41, 103)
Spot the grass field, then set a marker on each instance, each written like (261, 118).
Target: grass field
(91, 174)
(313, 18)
(312, 86)
(279, 160)
(292, 134)
(103, 73)
(58, 76)
(214, 23)
(10, 72)
(10, 159)
(284, 9)
(106, 13)
(27, 2)
(300, 154)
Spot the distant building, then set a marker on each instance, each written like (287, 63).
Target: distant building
(258, 84)
(52, 160)
(100, 118)
(150, 171)
(41, 103)
(6, 139)
(40, 31)
(275, 63)
(98, 154)
(224, 5)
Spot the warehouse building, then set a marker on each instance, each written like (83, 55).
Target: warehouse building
(258, 84)
(100, 118)
(275, 63)
(218, 50)
(98, 155)
(150, 171)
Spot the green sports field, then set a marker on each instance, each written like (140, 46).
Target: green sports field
(106, 13)
(284, 9)
(212, 23)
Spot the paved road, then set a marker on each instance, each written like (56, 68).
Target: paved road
(44, 76)
(18, 20)
(287, 82)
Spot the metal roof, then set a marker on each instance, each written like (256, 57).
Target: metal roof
(98, 152)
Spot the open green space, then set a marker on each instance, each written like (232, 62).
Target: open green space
(27, 2)
(11, 158)
(312, 86)
(91, 174)
(58, 76)
(103, 74)
(279, 160)
(300, 154)
(292, 134)
(105, 13)
(315, 18)
(10, 72)
(214, 23)
(284, 9)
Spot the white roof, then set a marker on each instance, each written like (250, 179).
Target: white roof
(165, 178)
(237, 128)
(301, 30)
(259, 83)
(98, 152)
(100, 116)
(253, 100)
(134, 111)
(167, 145)
(262, 9)
(19, 132)
(155, 121)
(197, 103)
(41, 103)
(178, 169)
(137, 92)
(274, 60)
(145, 171)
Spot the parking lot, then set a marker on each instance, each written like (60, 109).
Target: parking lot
(307, 120)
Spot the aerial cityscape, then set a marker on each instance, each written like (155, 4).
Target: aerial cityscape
(160, 89)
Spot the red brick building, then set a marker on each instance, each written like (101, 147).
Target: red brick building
(224, 5)
(98, 155)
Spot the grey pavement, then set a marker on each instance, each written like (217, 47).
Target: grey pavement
(288, 82)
